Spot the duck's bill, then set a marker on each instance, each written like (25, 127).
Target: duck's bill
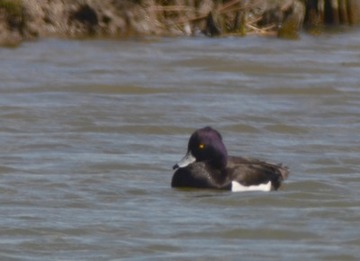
(185, 161)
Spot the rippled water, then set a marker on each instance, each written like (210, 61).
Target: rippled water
(90, 129)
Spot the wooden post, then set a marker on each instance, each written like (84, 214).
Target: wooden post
(353, 11)
(343, 15)
(335, 12)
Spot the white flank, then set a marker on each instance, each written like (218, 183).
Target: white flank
(237, 187)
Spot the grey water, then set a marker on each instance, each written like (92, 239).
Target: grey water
(89, 131)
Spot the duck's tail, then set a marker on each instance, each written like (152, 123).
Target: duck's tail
(284, 171)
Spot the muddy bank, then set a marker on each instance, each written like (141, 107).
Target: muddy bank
(29, 19)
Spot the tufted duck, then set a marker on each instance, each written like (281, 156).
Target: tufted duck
(207, 165)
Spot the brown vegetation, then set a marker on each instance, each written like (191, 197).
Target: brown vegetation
(330, 12)
(28, 19)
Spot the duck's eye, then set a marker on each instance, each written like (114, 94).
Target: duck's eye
(201, 146)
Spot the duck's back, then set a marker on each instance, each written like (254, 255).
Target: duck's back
(254, 172)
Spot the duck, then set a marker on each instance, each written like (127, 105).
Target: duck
(207, 165)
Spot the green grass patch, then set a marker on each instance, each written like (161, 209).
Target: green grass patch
(12, 7)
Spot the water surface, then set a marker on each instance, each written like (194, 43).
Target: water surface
(90, 129)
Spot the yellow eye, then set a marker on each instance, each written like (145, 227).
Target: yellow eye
(201, 146)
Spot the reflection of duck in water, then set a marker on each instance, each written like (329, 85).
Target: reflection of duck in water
(207, 165)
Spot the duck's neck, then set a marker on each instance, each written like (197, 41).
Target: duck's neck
(220, 160)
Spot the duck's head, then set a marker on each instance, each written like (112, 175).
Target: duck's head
(205, 145)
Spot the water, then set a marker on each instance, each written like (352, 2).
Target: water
(90, 129)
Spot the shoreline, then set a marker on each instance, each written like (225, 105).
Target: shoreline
(22, 20)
